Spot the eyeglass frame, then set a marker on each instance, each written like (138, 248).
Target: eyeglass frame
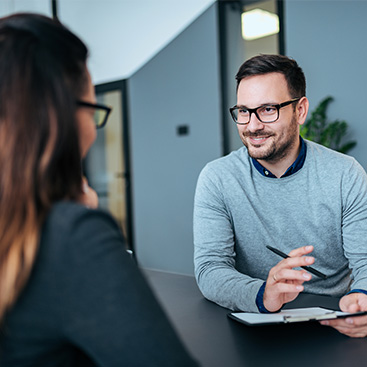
(97, 106)
(254, 110)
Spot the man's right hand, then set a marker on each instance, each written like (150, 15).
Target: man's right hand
(284, 283)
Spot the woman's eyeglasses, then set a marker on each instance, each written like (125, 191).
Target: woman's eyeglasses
(101, 112)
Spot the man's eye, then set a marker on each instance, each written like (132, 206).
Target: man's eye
(242, 111)
(268, 110)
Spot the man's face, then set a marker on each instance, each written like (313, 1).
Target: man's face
(268, 141)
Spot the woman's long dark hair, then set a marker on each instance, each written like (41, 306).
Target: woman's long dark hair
(42, 73)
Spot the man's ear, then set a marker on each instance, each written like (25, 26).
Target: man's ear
(302, 110)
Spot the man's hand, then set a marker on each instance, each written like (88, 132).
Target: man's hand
(284, 283)
(355, 327)
(89, 197)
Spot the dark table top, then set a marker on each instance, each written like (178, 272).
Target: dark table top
(218, 341)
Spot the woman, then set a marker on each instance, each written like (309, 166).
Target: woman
(69, 293)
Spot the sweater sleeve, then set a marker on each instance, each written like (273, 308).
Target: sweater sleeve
(354, 224)
(214, 254)
(109, 311)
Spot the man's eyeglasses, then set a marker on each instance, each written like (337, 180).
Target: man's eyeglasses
(266, 113)
(101, 112)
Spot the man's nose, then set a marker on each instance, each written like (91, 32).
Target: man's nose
(254, 124)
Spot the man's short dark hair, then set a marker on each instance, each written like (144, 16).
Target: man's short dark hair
(264, 64)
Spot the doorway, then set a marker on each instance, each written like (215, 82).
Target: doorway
(235, 49)
(107, 165)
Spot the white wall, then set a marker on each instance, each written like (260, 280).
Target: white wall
(35, 6)
(123, 35)
(327, 38)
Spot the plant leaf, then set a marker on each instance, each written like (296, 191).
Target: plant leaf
(330, 134)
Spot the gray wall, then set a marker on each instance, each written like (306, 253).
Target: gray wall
(180, 86)
(327, 38)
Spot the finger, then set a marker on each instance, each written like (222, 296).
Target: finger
(287, 288)
(304, 250)
(362, 301)
(278, 294)
(349, 322)
(286, 274)
(347, 328)
(338, 323)
(357, 321)
(294, 262)
(353, 333)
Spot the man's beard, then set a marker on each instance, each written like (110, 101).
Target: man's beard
(278, 147)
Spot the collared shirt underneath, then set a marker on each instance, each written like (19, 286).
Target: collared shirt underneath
(296, 166)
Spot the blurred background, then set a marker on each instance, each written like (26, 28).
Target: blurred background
(167, 67)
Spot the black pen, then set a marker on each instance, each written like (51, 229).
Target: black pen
(308, 268)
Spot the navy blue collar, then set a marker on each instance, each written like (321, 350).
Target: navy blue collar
(296, 166)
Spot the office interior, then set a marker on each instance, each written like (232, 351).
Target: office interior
(167, 68)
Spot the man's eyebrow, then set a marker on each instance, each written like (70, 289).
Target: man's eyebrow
(262, 105)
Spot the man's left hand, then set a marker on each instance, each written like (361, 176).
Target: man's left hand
(355, 327)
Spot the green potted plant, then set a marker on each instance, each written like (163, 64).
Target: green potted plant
(330, 134)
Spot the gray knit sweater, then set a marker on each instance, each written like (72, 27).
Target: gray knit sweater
(238, 212)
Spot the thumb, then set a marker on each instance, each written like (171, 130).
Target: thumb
(349, 303)
(362, 302)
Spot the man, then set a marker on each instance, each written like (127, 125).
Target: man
(281, 191)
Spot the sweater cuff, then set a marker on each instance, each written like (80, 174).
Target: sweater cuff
(357, 291)
(260, 300)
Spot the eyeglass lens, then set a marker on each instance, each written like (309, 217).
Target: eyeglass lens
(263, 113)
(99, 117)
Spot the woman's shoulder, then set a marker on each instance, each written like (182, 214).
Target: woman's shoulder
(69, 215)
(71, 228)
